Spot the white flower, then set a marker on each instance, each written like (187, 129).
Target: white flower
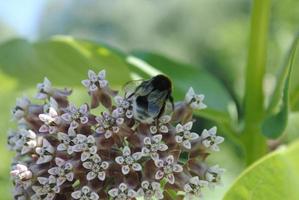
(153, 145)
(193, 188)
(72, 115)
(109, 124)
(85, 193)
(63, 171)
(86, 145)
(210, 140)
(48, 188)
(95, 80)
(51, 120)
(124, 107)
(162, 125)
(96, 167)
(167, 168)
(184, 136)
(45, 152)
(128, 161)
(21, 108)
(213, 175)
(44, 89)
(194, 100)
(52, 103)
(22, 140)
(122, 193)
(67, 141)
(21, 172)
(150, 190)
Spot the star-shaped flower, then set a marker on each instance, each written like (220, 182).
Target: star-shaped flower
(128, 161)
(45, 152)
(162, 125)
(21, 108)
(74, 115)
(193, 189)
(51, 120)
(210, 140)
(122, 193)
(167, 168)
(47, 190)
(150, 190)
(85, 193)
(21, 172)
(109, 124)
(184, 135)
(95, 81)
(68, 141)
(153, 145)
(23, 140)
(44, 89)
(96, 167)
(195, 100)
(86, 145)
(124, 107)
(63, 171)
(213, 175)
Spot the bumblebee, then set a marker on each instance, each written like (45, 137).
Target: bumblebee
(150, 97)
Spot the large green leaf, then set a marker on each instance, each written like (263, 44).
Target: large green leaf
(63, 60)
(274, 177)
(184, 76)
(276, 120)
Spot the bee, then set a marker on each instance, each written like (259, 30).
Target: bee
(150, 97)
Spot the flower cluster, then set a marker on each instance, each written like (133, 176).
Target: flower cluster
(64, 151)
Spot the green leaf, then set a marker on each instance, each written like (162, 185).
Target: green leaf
(276, 120)
(274, 177)
(64, 60)
(146, 64)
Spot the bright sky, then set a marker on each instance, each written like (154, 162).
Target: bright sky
(22, 15)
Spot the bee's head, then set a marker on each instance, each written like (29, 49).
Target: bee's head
(161, 82)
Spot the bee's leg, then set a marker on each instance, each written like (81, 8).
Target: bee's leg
(161, 111)
(171, 101)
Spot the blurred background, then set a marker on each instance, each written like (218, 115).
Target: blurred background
(211, 34)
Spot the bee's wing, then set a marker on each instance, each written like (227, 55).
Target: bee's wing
(156, 101)
(130, 87)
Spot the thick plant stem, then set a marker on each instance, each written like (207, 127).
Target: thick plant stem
(254, 141)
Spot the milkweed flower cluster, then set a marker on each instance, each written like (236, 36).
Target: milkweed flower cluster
(64, 151)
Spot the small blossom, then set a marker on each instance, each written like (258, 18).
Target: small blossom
(86, 145)
(67, 141)
(47, 190)
(22, 140)
(45, 152)
(153, 145)
(184, 136)
(210, 140)
(63, 171)
(124, 107)
(44, 89)
(167, 168)
(51, 120)
(195, 100)
(85, 193)
(109, 124)
(193, 189)
(21, 108)
(122, 193)
(95, 81)
(213, 175)
(96, 167)
(128, 161)
(52, 103)
(162, 125)
(21, 172)
(73, 115)
(150, 190)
